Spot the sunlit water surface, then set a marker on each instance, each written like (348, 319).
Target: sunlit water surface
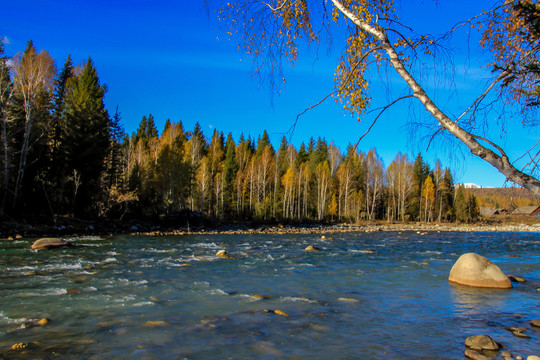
(364, 296)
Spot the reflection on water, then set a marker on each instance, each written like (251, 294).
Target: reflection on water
(369, 296)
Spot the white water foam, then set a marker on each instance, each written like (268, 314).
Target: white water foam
(7, 320)
(218, 292)
(45, 292)
(207, 246)
(297, 299)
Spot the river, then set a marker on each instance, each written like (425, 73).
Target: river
(382, 295)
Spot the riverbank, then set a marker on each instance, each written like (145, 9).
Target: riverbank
(423, 229)
(14, 230)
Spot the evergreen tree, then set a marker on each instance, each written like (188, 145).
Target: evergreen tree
(420, 173)
(86, 137)
(282, 164)
(262, 143)
(460, 206)
(303, 155)
(230, 167)
(474, 210)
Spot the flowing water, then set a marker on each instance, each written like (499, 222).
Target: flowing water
(382, 295)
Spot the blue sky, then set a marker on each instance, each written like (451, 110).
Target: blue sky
(164, 58)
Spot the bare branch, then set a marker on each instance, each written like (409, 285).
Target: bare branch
(526, 153)
(379, 115)
(293, 126)
(484, 94)
(277, 8)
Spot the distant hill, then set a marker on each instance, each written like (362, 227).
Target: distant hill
(506, 198)
(469, 186)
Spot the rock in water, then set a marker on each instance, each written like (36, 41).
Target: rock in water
(225, 255)
(481, 342)
(473, 355)
(43, 322)
(474, 270)
(49, 243)
(222, 253)
(312, 248)
(535, 323)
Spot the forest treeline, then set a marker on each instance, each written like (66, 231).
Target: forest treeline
(64, 155)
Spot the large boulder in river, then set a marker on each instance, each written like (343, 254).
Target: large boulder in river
(49, 243)
(474, 270)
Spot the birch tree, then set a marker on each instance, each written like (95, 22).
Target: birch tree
(33, 78)
(271, 32)
(6, 91)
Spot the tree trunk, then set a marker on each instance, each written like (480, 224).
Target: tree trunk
(500, 162)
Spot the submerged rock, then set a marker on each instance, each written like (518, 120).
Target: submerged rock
(535, 323)
(481, 342)
(474, 355)
(50, 243)
(474, 270)
(279, 312)
(312, 248)
(514, 278)
(156, 323)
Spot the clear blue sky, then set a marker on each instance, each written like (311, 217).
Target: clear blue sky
(164, 58)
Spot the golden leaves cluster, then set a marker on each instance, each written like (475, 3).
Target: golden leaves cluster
(362, 49)
(511, 33)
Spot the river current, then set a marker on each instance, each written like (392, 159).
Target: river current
(381, 295)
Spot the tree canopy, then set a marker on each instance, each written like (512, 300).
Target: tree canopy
(272, 31)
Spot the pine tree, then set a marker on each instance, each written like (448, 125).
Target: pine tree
(460, 206)
(230, 168)
(86, 138)
(262, 143)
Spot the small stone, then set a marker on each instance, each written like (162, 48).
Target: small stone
(19, 346)
(507, 355)
(224, 254)
(344, 299)
(533, 357)
(535, 323)
(312, 248)
(323, 237)
(514, 278)
(474, 355)
(425, 263)
(156, 323)
(279, 312)
(154, 298)
(260, 297)
(481, 342)
(49, 243)
(519, 334)
(43, 322)
(18, 237)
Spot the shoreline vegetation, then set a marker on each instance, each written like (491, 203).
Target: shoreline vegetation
(11, 231)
